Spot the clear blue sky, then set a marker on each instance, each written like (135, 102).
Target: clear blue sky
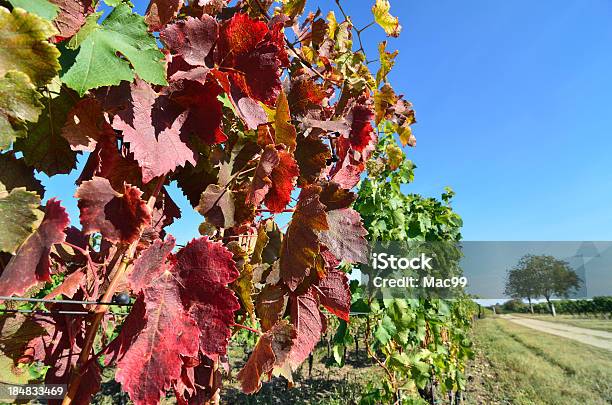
(514, 111)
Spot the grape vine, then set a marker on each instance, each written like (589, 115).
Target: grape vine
(254, 108)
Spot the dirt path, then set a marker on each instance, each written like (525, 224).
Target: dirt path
(591, 337)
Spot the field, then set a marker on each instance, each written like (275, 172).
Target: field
(518, 365)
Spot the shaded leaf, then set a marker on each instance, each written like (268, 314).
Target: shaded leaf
(271, 351)
(335, 197)
(85, 125)
(270, 305)
(44, 148)
(15, 173)
(192, 39)
(300, 246)
(118, 217)
(31, 263)
(311, 155)
(19, 103)
(261, 184)
(217, 205)
(161, 12)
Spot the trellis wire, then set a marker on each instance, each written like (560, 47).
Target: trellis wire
(51, 301)
(22, 299)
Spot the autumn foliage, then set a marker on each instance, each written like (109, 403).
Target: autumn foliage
(253, 109)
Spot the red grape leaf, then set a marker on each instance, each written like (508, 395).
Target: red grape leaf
(300, 246)
(335, 294)
(157, 152)
(31, 262)
(362, 134)
(198, 384)
(85, 125)
(150, 264)
(284, 177)
(305, 95)
(261, 180)
(311, 155)
(192, 39)
(71, 16)
(205, 110)
(248, 109)
(153, 361)
(348, 174)
(345, 237)
(271, 351)
(132, 326)
(160, 12)
(270, 305)
(214, 316)
(308, 322)
(256, 53)
(206, 268)
(118, 217)
(69, 286)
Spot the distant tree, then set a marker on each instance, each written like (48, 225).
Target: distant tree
(554, 278)
(522, 281)
(541, 276)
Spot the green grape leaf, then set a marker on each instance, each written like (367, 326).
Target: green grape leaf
(91, 24)
(383, 18)
(98, 64)
(24, 45)
(19, 217)
(19, 103)
(42, 8)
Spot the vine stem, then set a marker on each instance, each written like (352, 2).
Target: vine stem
(100, 310)
(248, 328)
